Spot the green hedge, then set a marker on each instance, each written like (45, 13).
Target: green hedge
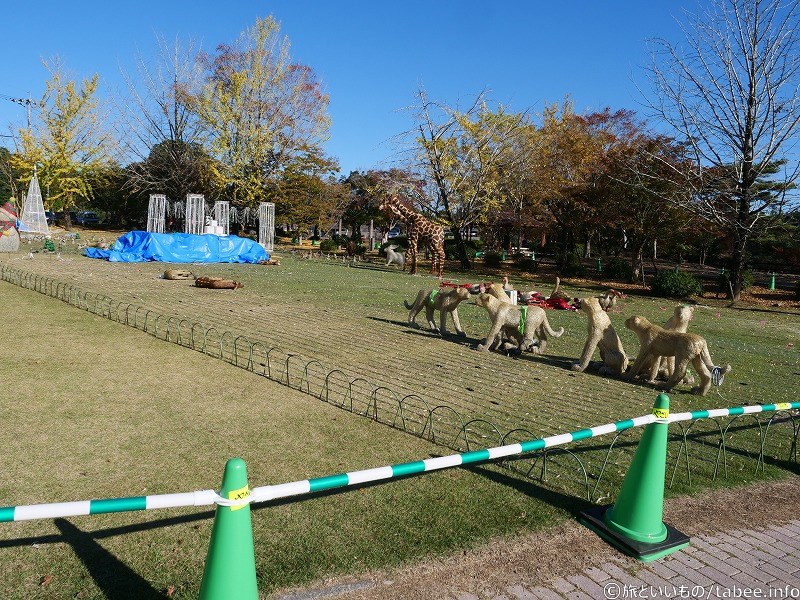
(493, 260)
(572, 266)
(327, 245)
(619, 269)
(676, 284)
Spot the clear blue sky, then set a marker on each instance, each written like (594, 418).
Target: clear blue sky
(372, 56)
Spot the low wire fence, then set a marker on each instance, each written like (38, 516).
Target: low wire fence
(710, 446)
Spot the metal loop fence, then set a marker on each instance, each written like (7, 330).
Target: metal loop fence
(708, 447)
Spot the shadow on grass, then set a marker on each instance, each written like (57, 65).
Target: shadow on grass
(566, 502)
(112, 576)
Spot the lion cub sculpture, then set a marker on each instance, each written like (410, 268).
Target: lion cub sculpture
(602, 336)
(444, 302)
(217, 283)
(521, 324)
(684, 347)
(177, 274)
(679, 321)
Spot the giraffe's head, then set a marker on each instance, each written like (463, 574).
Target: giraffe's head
(390, 204)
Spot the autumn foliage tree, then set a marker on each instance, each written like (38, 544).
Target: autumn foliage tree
(573, 154)
(460, 154)
(261, 111)
(67, 139)
(307, 194)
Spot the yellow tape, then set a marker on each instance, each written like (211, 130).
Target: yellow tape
(239, 495)
(661, 413)
(783, 406)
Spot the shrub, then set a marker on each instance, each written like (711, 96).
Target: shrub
(619, 269)
(471, 246)
(327, 246)
(525, 262)
(748, 279)
(340, 240)
(676, 284)
(528, 265)
(492, 259)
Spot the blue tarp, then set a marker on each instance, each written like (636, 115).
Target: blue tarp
(141, 246)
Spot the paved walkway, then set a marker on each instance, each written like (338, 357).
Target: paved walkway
(743, 563)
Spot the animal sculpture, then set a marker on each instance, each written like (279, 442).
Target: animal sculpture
(526, 325)
(444, 302)
(684, 347)
(602, 336)
(418, 228)
(393, 257)
(177, 274)
(217, 283)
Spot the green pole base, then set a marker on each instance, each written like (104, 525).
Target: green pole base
(643, 551)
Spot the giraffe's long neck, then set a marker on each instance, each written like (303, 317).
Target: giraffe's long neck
(405, 213)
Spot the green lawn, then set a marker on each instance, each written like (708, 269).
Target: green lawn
(93, 409)
(98, 409)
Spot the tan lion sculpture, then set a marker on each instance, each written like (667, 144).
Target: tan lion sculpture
(217, 283)
(684, 347)
(602, 336)
(521, 324)
(444, 302)
(177, 274)
(679, 322)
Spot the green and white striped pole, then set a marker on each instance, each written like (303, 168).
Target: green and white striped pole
(306, 486)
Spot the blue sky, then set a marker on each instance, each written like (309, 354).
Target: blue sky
(372, 57)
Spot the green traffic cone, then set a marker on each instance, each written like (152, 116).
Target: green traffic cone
(640, 503)
(230, 570)
(634, 523)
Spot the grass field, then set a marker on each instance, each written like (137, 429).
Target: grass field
(101, 410)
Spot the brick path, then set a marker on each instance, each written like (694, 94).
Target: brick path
(742, 563)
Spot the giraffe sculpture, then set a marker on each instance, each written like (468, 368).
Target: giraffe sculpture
(419, 228)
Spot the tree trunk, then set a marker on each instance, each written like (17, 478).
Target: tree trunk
(637, 263)
(461, 249)
(737, 263)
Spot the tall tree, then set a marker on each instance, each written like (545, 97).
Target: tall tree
(261, 111)
(67, 139)
(574, 153)
(734, 96)
(460, 153)
(162, 136)
(524, 186)
(307, 195)
(641, 209)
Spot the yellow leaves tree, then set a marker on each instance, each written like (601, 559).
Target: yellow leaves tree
(461, 153)
(261, 111)
(66, 140)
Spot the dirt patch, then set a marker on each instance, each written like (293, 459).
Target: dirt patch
(539, 558)
(766, 298)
